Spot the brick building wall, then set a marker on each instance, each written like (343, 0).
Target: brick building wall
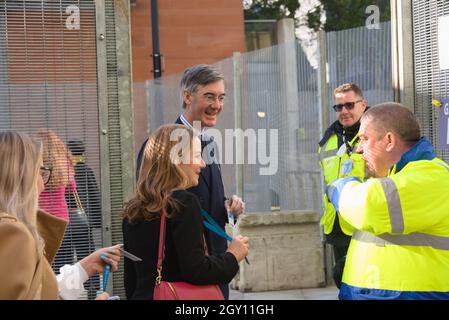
(190, 32)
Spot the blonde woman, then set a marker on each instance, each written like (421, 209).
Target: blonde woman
(59, 176)
(168, 168)
(29, 239)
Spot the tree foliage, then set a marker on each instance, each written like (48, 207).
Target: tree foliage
(271, 9)
(340, 14)
(345, 14)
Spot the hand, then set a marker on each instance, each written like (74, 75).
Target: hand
(239, 247)
(102, 296)
(95, 262)
(235, 205)
(334, 190)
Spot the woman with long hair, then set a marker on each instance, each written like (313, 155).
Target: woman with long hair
(29, 238)
(58, 159)
(172, 163)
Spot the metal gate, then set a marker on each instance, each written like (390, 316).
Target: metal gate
(430, 81)
(65, 66)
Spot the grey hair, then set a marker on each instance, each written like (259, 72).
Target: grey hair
(198, 75)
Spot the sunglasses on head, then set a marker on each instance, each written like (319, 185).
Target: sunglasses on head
(347, 105)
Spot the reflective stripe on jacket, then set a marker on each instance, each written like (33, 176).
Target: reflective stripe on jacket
(400, 249)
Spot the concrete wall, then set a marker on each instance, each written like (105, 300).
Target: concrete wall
(285, 252)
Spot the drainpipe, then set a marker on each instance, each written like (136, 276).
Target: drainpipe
(157, 66)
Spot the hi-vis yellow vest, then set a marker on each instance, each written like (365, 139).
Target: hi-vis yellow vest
(402, 237)
(338, 164)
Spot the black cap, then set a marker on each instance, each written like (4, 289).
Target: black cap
(76, 147)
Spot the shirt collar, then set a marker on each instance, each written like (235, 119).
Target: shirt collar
(188, 124)
(422, 150)
(185, 122)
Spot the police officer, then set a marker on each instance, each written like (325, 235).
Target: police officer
(338, 159)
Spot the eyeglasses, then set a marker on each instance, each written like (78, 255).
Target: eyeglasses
(45, 174)
(211, 98)
(347, 105)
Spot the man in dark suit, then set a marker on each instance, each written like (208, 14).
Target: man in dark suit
(203, 95)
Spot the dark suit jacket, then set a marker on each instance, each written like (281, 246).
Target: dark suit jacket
(185, 258)
(209, 191)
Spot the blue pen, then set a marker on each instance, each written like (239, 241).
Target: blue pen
(107, 270)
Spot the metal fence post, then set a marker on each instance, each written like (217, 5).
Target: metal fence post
(102, 77)
(323, 123)
(125, 101)
(116, 120)
(323, 83)
(238, 116)
(288, 148)
(402, 53)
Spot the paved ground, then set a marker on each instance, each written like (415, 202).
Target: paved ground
(328, 293)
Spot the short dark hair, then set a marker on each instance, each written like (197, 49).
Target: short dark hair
(395, 117)
(198, 75)
(349, 87)
(76, 147)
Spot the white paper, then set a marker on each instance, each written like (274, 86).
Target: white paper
(443, 42)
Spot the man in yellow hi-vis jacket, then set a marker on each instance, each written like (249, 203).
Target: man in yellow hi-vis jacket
(400, 248)
(338, 159)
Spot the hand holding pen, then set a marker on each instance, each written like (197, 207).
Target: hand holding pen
(104, 259)
(103, 295)
(239, 247)
(96, 262)
(107, 268)
(109, 261)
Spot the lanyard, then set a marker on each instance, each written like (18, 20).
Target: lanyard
(350, 144)
(213, 226)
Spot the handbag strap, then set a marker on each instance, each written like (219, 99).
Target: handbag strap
(77, 200)
(161, 249)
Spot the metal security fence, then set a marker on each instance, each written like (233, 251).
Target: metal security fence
(266, 90)
(4, 120)
(279, 95)
(277, 89)
(430, 81)
(362, 56)
(48, 81)
(65, 66)
(164, 106)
